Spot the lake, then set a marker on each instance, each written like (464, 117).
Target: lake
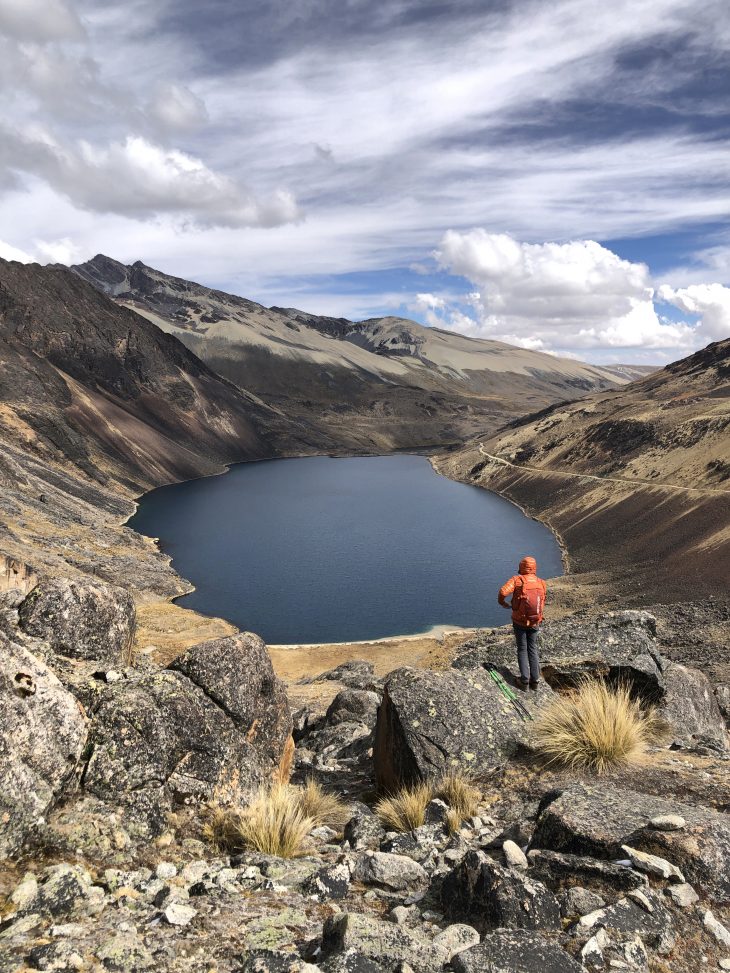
(345, 549)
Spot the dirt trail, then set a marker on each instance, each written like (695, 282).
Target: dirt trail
(655, 484)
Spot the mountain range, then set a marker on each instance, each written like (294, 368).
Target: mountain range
(375, 385)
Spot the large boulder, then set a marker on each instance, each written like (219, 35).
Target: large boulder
(237, 675)
(81, 618)
(353, 706)
(385, 943)
(690, 706)
(431, 721)
(42, 736)
(490, 896)
(598, 820)
(515, 951)
(162, 740)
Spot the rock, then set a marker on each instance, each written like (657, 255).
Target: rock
(418, 844)
(602, 952)
(431, 721)
(455, 939)
(653, 924)
(357, 674)
(125, 952)
(491, 896)
(652, 864)
(66, 890)
(515, 951)
(592, 952)
(690, 706)
(395, 873)
(404, 915)
(331, 882)
(159, 740)
(237, 674)
(82, 619)
(42, 738)
(514, 855)
(166, 870)
(364, 830)
(577, 901)
(383, 942)
(597, 820)
(682, 895)
(716, 929)
(55, 956)
(179, 914)
(668, 822)
(353, 706)
(555, 866)
(436, 811)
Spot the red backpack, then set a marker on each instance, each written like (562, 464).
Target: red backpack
(528, 599)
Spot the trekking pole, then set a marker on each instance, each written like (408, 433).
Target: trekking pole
(509, 694)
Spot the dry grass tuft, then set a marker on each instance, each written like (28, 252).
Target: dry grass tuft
(406, 809)
(452, 821)
(596, 727)
(459, 792)
(273, 823)
(322, 806)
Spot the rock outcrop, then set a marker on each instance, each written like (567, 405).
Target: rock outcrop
(42, 736)
(430, 721)
(83, 619)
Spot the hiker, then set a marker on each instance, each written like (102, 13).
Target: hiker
(528, 601)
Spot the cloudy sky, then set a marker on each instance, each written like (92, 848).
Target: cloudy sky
(554, 173)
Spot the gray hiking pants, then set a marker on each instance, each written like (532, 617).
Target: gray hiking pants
(527, 655)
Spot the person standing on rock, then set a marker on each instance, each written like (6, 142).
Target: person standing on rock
(527, 603)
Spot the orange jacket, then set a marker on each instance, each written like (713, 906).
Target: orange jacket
(527, 575)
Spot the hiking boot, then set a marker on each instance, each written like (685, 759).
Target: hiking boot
(521, 683)
(534, 683)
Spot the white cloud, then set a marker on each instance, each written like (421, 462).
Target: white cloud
(710, 301)
(63, 251)
(575, 296)
(176, 108)
(141, 179)
(39, 20)
(8, 252)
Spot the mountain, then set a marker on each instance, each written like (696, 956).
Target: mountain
(374, 385)
(96, 405)
(635, 481)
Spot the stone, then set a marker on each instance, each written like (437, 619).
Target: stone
(125, 952)
(55, 956)
(555, 866)
(395, 873)
(456, 938)
(65, 890)
(668, 822)
(364, 830)
(179, 914)
(515, 951)
(81, 618)
(430, 722)
(690, 707)
(491, 896)
(682, 895)
(592, 951)
(597, 820)
(237, 674)
(159, 740)
(353, 706)
(418, 844)
(716, 929)
(382, 942)
(577, 901)
(331, 882)
(603, 952)
(42, 739)
(404, 915)
(514, 855)
(436, 811)
(652, 864)
(357, 674)
(653, 924)
(166, 870)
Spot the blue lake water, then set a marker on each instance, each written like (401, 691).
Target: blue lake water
(347, 549)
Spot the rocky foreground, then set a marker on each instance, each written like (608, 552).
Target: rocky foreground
(108, 766)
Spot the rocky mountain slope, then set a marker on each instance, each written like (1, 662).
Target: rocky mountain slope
(97, 405)
(372, 385)
(636, 481)
(114, 770)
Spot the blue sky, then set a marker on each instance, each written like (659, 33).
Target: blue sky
(554, 174)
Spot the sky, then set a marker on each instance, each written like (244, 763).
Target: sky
(552, 173)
